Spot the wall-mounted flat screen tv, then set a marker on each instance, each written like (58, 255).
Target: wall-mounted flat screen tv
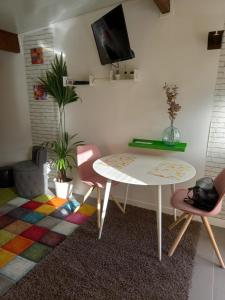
(111, 37)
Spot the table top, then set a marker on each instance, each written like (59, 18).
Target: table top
(144, 169)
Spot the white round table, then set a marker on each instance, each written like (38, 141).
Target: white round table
(142, 170)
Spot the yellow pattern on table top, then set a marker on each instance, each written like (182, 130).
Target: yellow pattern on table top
(118, 161)
(170, 170)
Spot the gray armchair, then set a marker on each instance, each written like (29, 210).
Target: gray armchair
(31, 175)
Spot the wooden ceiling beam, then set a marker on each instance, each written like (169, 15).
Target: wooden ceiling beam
(163, 5)
(9, 41)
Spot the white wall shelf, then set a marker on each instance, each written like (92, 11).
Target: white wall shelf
(95, 80)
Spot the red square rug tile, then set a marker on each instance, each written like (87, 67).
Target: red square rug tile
(34, 233)
(52, 238)
(17, 245)
(77, 218)
(6, 220)
(31, 204)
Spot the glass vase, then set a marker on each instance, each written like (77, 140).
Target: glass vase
(171, 135)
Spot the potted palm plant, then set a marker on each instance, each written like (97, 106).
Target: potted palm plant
(64, 147)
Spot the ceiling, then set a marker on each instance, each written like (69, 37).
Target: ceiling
(20, 16)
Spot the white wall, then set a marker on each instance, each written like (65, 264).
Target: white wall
(170, 49)
(15, 137)
(44, 116)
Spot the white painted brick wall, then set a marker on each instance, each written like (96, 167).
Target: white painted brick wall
(43, 113)
(215, 157)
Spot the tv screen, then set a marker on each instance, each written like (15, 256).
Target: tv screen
(111, 37)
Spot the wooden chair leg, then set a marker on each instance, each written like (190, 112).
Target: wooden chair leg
(213, 241)
(98, 206)
(117, 203)
(85, 198)
(88, 193)
(183, 216)
(181, 233)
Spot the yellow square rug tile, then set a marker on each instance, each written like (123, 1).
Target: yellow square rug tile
(5, 236)
(5, 257)
(45, 209)
(43, 198)
(87, 209)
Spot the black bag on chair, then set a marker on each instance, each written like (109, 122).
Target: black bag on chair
(203, 195)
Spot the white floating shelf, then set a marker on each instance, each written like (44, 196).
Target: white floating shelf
(94, 80)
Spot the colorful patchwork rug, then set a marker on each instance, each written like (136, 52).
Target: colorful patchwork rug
(30, 229)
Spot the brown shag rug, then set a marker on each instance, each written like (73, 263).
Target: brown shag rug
(122, 265)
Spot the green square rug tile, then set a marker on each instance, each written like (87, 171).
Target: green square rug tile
(7, 194)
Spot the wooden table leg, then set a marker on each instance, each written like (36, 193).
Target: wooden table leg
(105, 204)
(159, 222)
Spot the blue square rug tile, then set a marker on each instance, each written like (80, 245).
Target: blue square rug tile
(33, 217)
(66, 209)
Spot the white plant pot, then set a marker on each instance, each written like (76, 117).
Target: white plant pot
(63, 189)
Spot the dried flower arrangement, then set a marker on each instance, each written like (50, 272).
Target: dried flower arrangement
(171, 93)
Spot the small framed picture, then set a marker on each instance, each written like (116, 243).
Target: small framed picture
(37, 57)
(39, 92)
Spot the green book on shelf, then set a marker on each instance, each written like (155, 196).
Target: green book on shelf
(154, 144)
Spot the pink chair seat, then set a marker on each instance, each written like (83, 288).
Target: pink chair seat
(177, 201)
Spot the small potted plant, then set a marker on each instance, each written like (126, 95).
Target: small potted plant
(64, 147)
(171, 135)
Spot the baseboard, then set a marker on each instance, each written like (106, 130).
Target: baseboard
(170, 211)
(165, 209)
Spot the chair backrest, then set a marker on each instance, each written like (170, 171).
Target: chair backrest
(219, 183)
(86, 155)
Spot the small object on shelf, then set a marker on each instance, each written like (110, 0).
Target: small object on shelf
(125, 75)
(215, 39)
(131, 75)
(136, 75)
(156, 144)
(111, 75)
(91, 80)
(171, 135)
(71, 82)
(81, 82)
(117, 76)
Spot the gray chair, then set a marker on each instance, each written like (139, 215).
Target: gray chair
(30, 176)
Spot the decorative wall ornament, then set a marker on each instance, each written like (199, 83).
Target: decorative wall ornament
(171, 135)
(37, 57)
(40, 92)
(215, 39)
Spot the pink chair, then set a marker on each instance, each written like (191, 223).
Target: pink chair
(189, 211)
(86, 155)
